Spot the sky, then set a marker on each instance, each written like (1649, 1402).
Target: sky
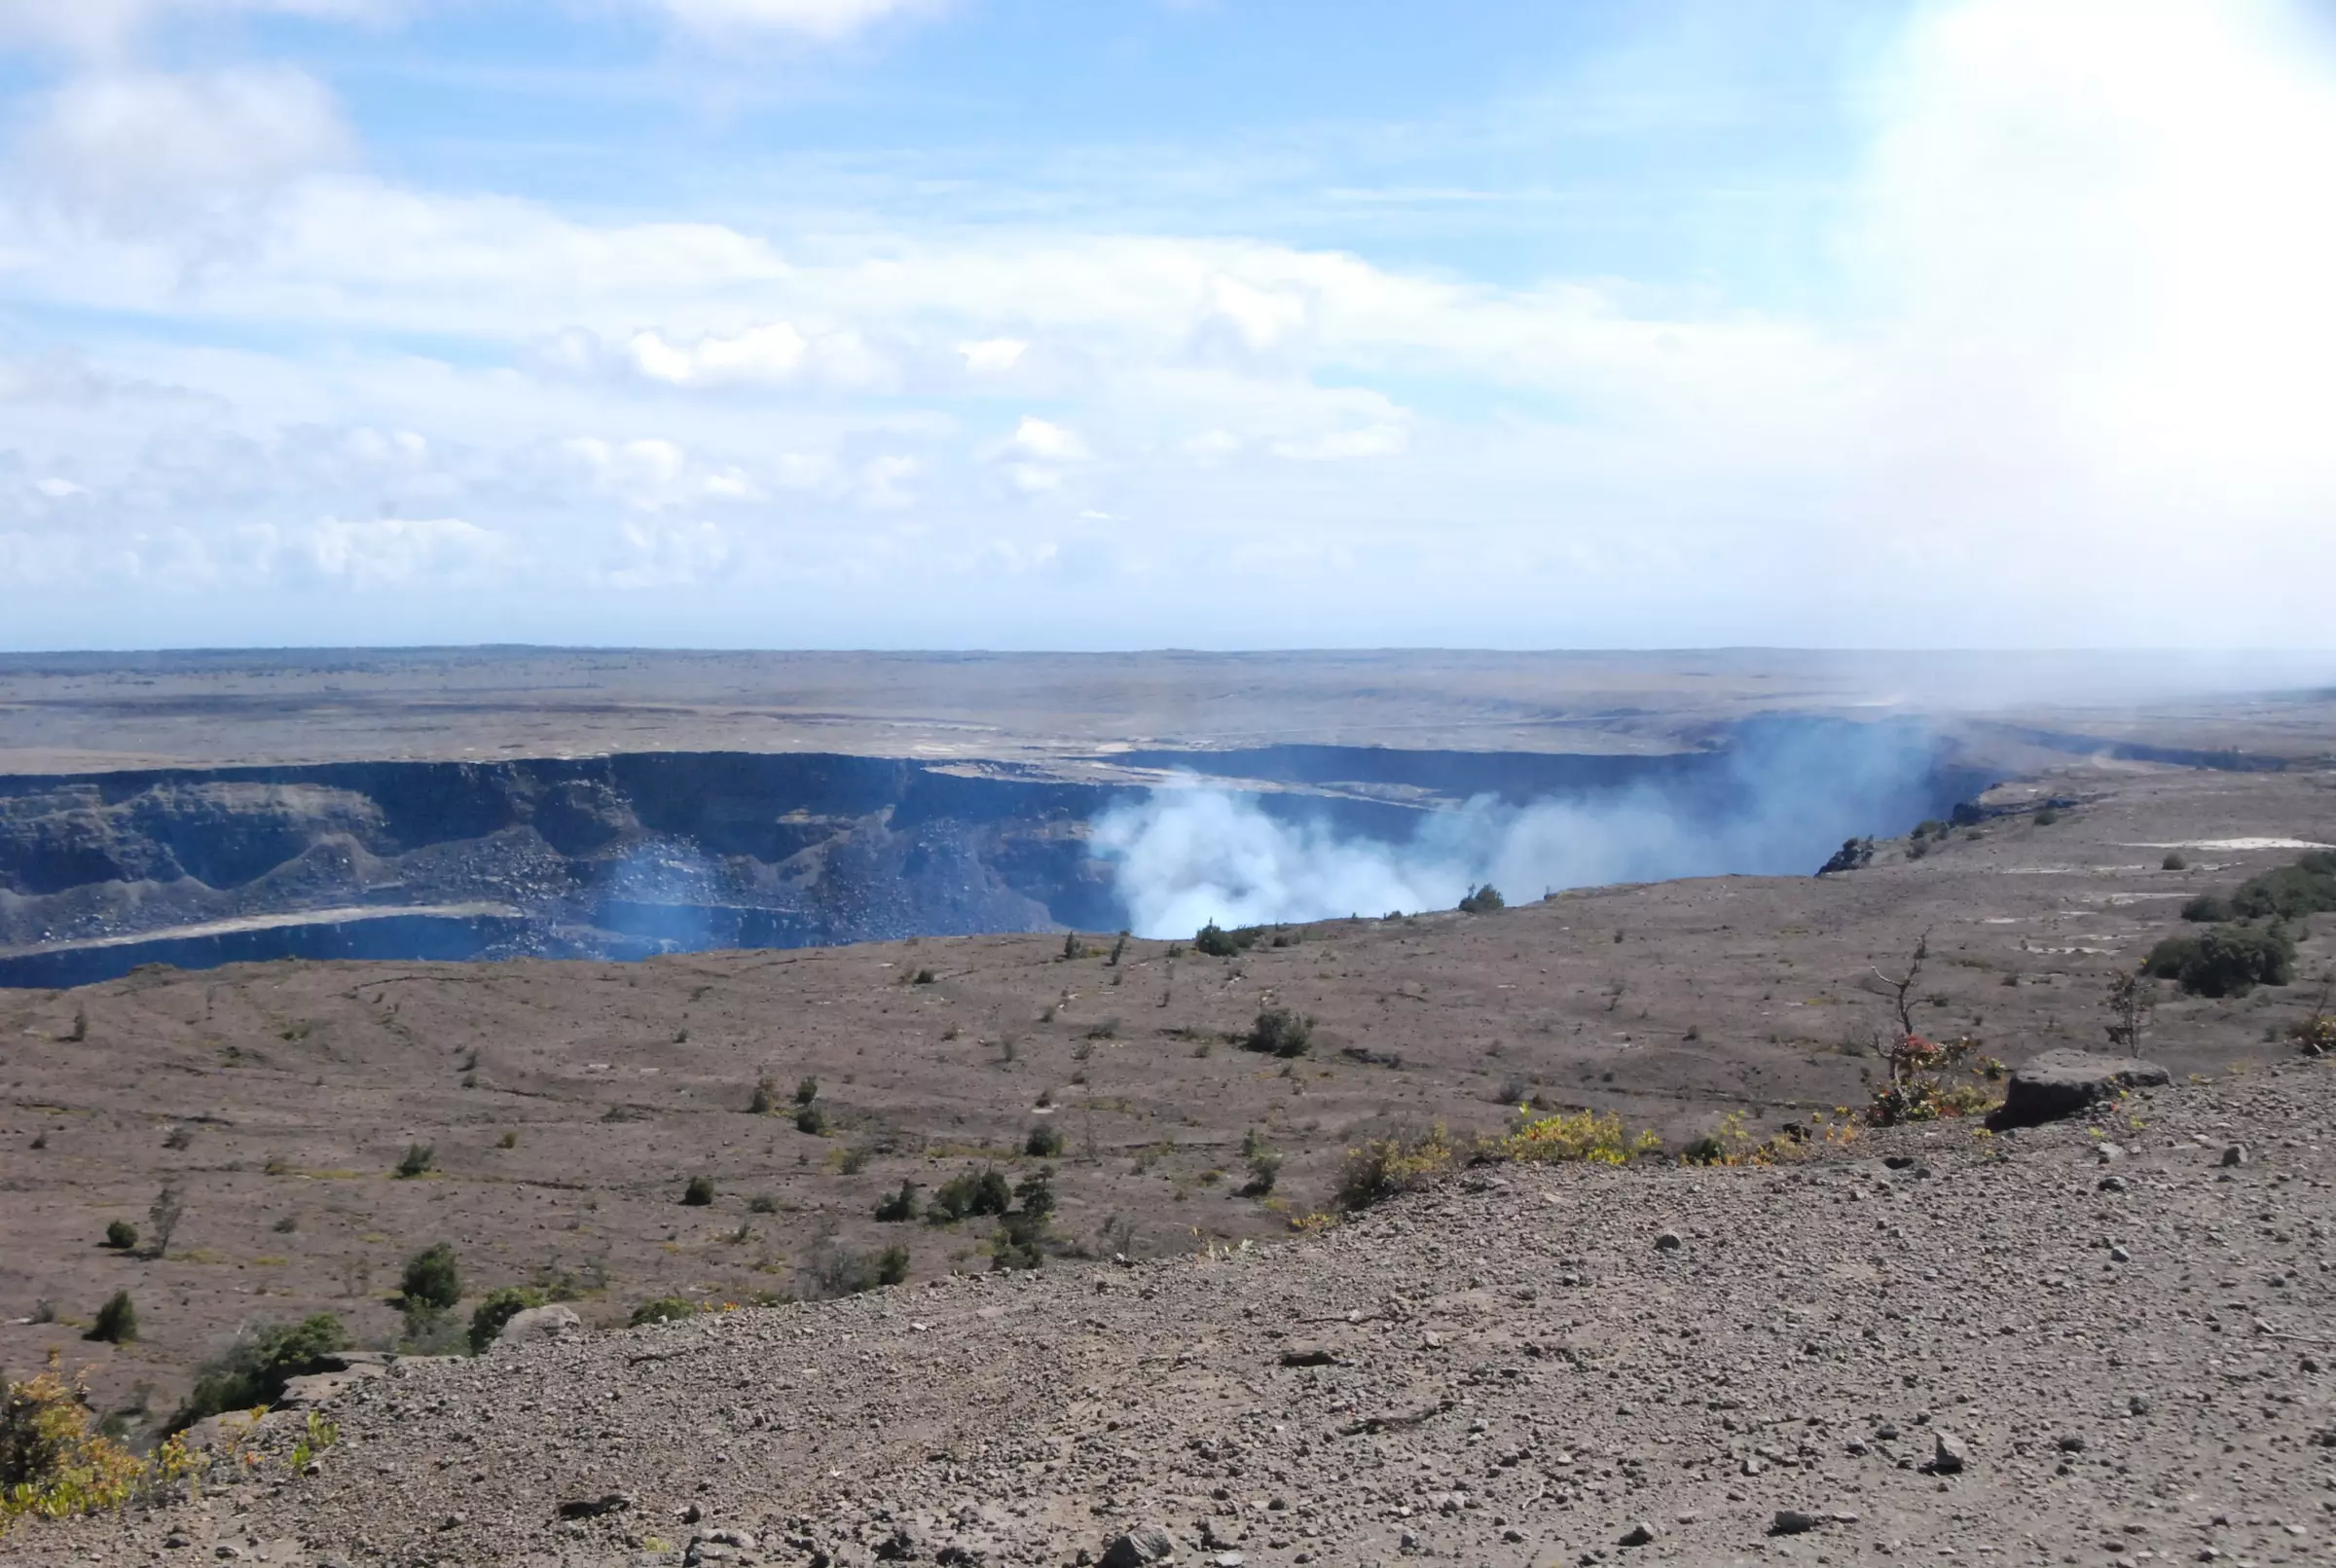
(1137, 323)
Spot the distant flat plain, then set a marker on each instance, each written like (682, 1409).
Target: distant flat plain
(69, 712)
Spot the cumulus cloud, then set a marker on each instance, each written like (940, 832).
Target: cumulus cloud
(2073, 307)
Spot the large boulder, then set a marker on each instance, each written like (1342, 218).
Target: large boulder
(552, 1322)
(2063, 1083)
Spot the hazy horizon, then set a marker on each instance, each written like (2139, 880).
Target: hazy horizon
(890, 324)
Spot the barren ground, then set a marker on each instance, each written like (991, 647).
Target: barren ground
(2126, 1361)
(568, 1103)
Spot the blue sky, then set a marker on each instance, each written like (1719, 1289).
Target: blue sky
(1018, 323)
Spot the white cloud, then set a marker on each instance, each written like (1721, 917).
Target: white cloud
(392, 552)
(108, 27)
(2080, 311)
(144, 154)
(826, 19)
(993, 357)
(652, 475)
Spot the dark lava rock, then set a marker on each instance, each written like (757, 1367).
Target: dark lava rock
(1138, 1548)
(2062, 1083)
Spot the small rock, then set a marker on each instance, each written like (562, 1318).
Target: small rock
(2118, 1255)
(1640, 1534)
(1138, 1548)
(2236, 1154)
(1309, 1356)
(1668, 1242)
(2114, 1184)
(1792, 1521)
(2071, 1444)
(2108, 1154)
(1947, 1456)
(594, 1508)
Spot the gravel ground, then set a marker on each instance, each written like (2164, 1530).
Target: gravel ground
(2030, 1348)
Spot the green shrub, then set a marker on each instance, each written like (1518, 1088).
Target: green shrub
(1279, 1031)
(968, 1195)
(2046, 816)
(419, 1158)
(122, 1236)
(2291, 893)
(833, 1274)
(699, 1193)
(1218, 943)
(2207, 909)
(765, 1099)
(811, 1119)
(116, 1321)
(431, 1280)
(1043, 1143)
(806, 1091)
(1482, 901)
(664, 1309)
(1386, 1166)
(898, 1208)
(2225, 960)
(255, 1372)
(499, 1307)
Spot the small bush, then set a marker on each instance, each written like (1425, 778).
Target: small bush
(122, 1236)
(255, 1372)
(664, 1309)
(811, 1119)
(1380, 1169)
(1073, 948)
(765, 1098)
(2046, 816)
(922, 977)
(116, 1321)
(762, 1203)
(2225, 960)
(1215, 942)
(1279, 1031)
(1855, 854)
(806, 1091)
(2207, 909)
(1578, 1135)
(1264, 1170)
(2174, 862)
(898, 1208)
(418, 1159)
(53, 1465)
(839, 1273)
(968, 1195)
(497, 1308)
(431, 1280)
(699, 1193)
(1482, 901)
(1043, 1143)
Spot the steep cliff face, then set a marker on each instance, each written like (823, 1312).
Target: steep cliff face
(616, 856)
(628, 856)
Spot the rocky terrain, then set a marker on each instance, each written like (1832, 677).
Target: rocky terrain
(566, 1105)
(2111, 1340)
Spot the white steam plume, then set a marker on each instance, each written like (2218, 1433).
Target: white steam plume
(1190, 854)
